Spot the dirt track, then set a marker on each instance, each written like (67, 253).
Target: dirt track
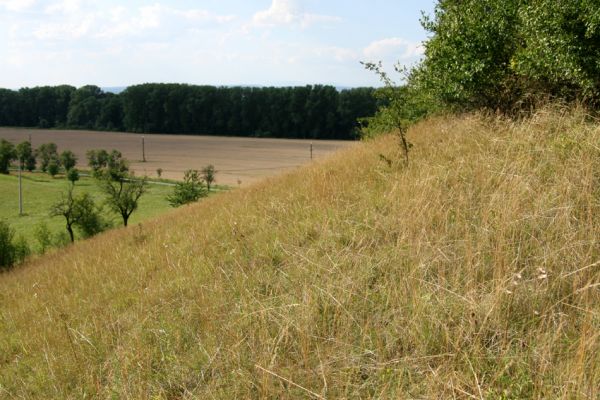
(237, 160)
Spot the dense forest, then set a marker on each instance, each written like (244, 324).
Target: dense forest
(316, 112)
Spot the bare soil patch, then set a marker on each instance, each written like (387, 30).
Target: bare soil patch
(237, 160)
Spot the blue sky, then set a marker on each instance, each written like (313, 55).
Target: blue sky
(217, 42)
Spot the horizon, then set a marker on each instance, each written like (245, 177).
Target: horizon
(230, 43)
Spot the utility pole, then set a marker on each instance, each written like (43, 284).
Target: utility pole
(143, 149)
(311, 150)
(20, 189)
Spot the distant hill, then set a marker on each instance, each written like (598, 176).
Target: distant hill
(471, 272)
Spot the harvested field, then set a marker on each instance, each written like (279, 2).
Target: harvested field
(237, 160)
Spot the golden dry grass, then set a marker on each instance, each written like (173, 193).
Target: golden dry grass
(472, 273)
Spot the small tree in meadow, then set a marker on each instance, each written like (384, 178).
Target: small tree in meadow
(53, 167)
(26, 156)
(188, 191)
(73, 175)
(46, 153)
(208, 174)
(7, 155)
(123, 194)
(68, 160)
(80, 212)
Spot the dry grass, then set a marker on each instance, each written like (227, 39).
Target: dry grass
(472, 273)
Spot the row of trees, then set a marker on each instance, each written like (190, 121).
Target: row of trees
(317, 112)
(49, 159)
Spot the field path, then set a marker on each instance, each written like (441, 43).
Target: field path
(236, 159)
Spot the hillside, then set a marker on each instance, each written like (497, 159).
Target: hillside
(472, 273)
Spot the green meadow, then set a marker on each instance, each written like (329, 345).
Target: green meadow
(41, 191)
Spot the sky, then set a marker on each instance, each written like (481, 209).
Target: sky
(215, 42)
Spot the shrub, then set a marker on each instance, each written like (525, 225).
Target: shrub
(73, 175)
(7, 155)
(11, 251)
(188, 191)
(43, 236)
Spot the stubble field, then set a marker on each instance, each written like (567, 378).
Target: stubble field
(239, 161)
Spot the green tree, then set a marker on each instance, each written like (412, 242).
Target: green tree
(188, 191)
(123, 194)
(12, 251)
(73, 175)
(91, 221)
(78, 211)
(7, 248)
(97, 160)
(26, 156)
(509, 54)
(46, 153)
(53, 166)
(68, 160)
(67, 208)
(7, 155)
(209, 175)
(43, 236)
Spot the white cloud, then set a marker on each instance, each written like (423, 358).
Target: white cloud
(155, 17)
(396, 48)
(73, 29)
(64, 7)
(17, 5)
(290, 13)
(339, 54)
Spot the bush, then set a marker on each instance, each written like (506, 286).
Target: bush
(73, 175)
(68, 160)
(509, 54)
(11, 251)
(188, 191)
(7, 155)
(90, 222)
(43, 236)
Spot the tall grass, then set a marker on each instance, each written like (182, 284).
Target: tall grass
(473, 272)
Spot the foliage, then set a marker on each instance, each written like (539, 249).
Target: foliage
(107, 165)
(159, 172)
(208, 175)
(188, 191)
(47, 153)
(79, 211)
(73, 175)
(91, 221)
(26, 156)
(401, 107)
(43, 236)
(12, 251)
(53, 167)
(68, 160)
(41, 191)
(510, 54)
(317, 111)
(123, 194)
(7, 155)
(7, 249)
(97, 160)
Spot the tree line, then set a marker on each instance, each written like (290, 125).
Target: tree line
(315, 112)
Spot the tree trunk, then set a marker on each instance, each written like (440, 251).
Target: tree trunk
(71, 235)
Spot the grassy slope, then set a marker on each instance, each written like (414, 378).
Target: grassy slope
(473, 273)
(40, 191)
